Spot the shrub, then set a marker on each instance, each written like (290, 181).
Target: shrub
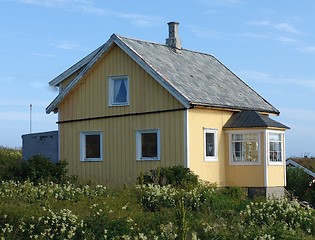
(10, 161)
(298, 183)
(281, 216)
(39, 168)
(177, 176)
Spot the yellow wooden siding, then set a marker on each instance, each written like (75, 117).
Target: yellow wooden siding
(119, 165)
(89, 100)
(246, 175)
(198, 120)
(276, 176)
(90, 97)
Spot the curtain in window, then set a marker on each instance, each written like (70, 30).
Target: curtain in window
(120, 91)
(209, 144)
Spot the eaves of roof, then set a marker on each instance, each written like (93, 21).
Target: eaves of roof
(86, 63)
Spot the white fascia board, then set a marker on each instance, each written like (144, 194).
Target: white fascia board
(56, 81)
(74, 82)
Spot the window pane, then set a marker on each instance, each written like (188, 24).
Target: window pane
(237, 151)
(210, 144)
(275, 151)
(275, 145)
(274, 137)
(245, 147)
(92, 146)
(149, 145)
(120, 91)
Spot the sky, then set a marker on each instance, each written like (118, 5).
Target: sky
(269, 44)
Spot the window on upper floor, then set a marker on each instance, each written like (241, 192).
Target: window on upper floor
(91, 146)
(148, 144)
(210, 144)
(275, 147)
(118, 91)
(245, 148)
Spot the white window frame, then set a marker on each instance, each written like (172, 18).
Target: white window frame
(215, 133)
(83, 135)
(268, 147)
(111, 85)
(139, 144)
(231, 162)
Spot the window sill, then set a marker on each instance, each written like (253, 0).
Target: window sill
(210, 160)
(91, 160)
(118, 105)
(245, 163)
(275, 163)
(148, 159)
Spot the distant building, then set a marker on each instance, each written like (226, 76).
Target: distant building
(43, 143)
(292, 163)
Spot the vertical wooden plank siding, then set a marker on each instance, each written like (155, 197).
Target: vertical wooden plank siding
(90, 97)
(199, 119)
(276, 175)
(86, 109)
(119, 164)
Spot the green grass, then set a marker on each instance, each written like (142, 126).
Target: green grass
(45, 210)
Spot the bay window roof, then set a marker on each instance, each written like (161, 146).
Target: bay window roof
(252, 119)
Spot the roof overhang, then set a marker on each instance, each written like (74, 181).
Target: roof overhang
(86, 63)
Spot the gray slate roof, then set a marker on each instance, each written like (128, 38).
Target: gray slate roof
(193, 78)
(250, 119)
(200, 78)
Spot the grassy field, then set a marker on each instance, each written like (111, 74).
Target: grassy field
(73, 210)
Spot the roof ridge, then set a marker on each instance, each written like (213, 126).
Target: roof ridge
(165, 45)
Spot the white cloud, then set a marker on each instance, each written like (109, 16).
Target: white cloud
(283, 26)
(205, 33)
(286, 40)
(253, 35)
(286, 27)
(308, 49)
(85, 6)
(260, 23)
(37, 54)
(273, 79)
(67, 45)
(139, 20)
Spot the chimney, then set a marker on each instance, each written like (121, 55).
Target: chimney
(173, 40)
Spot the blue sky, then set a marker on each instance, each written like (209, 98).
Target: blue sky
(268, 44)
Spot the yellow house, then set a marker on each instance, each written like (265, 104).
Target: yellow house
(132, 105)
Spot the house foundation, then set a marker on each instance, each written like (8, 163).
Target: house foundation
(268, 192)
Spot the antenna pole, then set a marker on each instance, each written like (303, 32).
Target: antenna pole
(31, 108)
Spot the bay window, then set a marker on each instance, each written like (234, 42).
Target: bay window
(245, 148)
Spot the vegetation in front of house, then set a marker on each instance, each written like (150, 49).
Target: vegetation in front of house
(301, 185)
(159, 207)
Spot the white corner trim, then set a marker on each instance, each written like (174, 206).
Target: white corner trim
(266, 160)
(186, 136)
